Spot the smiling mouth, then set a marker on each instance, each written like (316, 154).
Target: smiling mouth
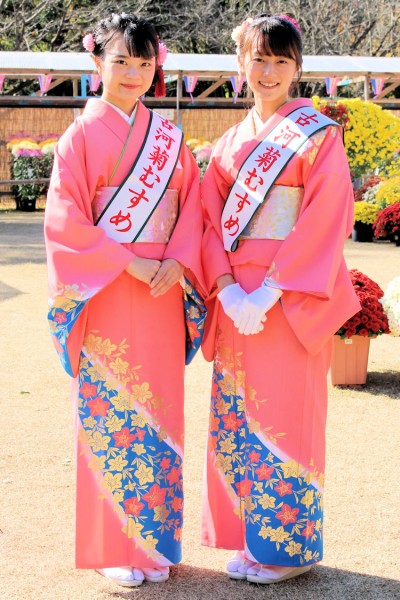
(268, 85)
(130, 86)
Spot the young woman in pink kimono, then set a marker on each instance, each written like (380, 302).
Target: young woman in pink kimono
(279, 206)
(116, 306)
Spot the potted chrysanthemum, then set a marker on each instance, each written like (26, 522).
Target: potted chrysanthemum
(364, 217)
(351, 342)
(387, 223)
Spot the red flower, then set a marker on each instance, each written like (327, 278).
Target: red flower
(164, 464)
(174, 475)
(231, 422)
(139, 434)
(283, 488)
(177, 504)
(123, 438)
(308, 531)
(244, 487)
(264, 472)
(155, 496)
(387, 221)
(371, 319)
(133, 506)
(98, 407)
(254, 456)
(88, 390)
(287, 514)
(60, 317)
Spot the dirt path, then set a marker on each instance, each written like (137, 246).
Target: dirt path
(36, 460)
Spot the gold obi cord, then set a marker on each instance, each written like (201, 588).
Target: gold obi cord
(158, 228)
(276, 216)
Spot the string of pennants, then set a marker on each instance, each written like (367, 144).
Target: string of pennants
(190, 81)
(331, 84)
(93, 79)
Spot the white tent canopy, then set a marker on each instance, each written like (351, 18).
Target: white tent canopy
(215, 68)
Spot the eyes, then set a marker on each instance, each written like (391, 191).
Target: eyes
(279, 61)
(145, 64)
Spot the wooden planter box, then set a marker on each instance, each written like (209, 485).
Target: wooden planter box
(350, 360)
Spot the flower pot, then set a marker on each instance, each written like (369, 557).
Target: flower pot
(362, 232)
(350, 360)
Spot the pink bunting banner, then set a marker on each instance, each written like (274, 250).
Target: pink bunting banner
(94, 82)
(377, 86)
(2, 78)
(190, 83)
(237, 85)
(44, 83)
(331, 84)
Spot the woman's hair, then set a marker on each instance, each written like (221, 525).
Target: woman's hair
(139, 35)
(272, 36)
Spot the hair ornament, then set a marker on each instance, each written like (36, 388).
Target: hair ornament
(240, 29)
(291, 20)
(162, 53)
(88, 42)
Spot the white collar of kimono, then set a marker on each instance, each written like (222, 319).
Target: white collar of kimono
(258, 122)
(128, 119)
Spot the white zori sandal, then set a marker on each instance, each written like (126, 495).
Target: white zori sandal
(238, 565)
(133, 577)
(273, 574)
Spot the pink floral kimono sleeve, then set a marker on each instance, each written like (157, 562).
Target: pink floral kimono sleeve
(309, 266)
(81, 258)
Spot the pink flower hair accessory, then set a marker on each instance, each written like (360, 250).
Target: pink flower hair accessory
(88, 42)
(238, 32)
(162, 53)
(291, 20)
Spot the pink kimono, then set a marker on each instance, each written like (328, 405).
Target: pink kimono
(124, 348)
(266, 447)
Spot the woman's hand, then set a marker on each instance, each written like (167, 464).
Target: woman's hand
(143, 269)
(168, 275)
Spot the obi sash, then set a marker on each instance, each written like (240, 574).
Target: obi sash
(135, 200)
(161, 223)
(277, 216)
(263, 166)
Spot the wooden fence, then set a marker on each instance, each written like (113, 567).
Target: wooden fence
(204, 123)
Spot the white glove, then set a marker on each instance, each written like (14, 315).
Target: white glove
(231, 297)
(253, 308)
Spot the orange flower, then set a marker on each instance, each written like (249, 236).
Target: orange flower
(155, 496)
(308, 531)
(284, 488)
(133, 506)
(98, 407)
(287, 514)
(264, 472)
(123, 438)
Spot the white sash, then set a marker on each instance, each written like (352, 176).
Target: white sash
(261, 168)
(138, 196)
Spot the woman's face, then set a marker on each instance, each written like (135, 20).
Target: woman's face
(125, 78)
(269, 77)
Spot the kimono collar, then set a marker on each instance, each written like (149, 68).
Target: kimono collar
(282, 111)
(128, 118)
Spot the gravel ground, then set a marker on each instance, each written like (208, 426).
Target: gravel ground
(36, 460)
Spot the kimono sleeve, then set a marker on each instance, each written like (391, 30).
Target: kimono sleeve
(185, 242)
(81, 259)
(309, 266)
(308, 260)
(214, 191)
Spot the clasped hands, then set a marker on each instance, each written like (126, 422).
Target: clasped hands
(248, 311)
(159, 275)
